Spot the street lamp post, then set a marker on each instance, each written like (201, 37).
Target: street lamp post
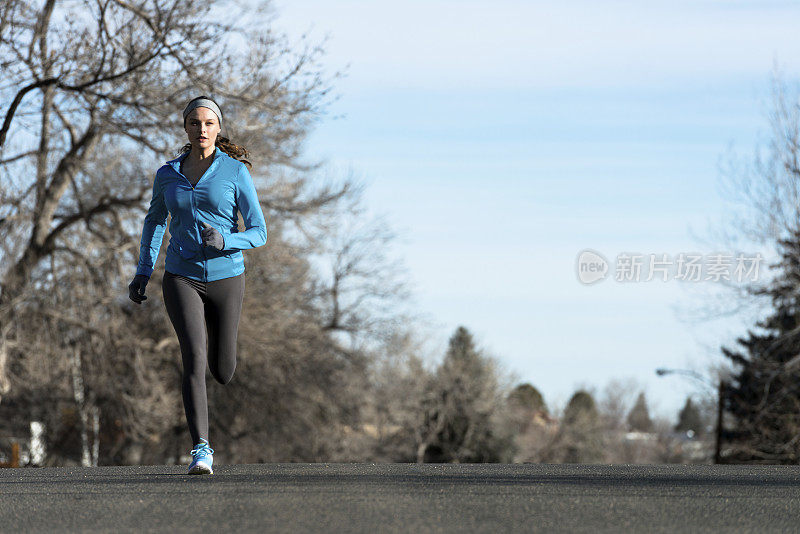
(718, 445)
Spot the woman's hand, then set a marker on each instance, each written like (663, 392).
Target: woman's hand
(136, 288)
(212, 237)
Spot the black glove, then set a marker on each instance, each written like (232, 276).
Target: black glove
(212, 237)
(136, 288)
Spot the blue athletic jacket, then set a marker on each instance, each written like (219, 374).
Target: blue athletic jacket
(223, 191)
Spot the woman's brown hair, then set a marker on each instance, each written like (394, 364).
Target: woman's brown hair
(232, 149)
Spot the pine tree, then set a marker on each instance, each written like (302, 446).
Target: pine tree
(763, 395)
(639, 416)
(689, 418)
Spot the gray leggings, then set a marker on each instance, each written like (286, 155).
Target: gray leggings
(203, 312)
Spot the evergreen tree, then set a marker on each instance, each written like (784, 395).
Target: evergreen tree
(580, 433)
(639, 416)
(763, 395)
(689, 418)
(524, 403)
(527, 397)
(581, 407)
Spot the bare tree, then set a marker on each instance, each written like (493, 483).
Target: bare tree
(361, 288)
(398, 379)
(762, 191)
(86, 127)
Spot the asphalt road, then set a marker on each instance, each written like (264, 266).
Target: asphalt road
(403, 498)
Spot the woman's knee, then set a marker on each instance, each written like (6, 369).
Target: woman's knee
(194, 376)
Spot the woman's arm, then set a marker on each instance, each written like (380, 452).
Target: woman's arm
(155, 222)
(255, 234)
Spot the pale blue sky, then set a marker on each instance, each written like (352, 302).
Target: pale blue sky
(502, 138)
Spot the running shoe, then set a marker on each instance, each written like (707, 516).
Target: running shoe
(202, 459)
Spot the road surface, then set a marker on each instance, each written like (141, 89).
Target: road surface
(415, 498)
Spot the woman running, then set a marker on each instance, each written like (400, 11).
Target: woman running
(203, 190)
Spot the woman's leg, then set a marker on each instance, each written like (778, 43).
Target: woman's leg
(184, 302)
(223, 309)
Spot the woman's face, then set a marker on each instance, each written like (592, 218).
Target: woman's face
(202, 127)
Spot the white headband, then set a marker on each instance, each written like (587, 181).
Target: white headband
(203, 103)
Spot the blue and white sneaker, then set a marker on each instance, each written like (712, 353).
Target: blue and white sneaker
(203, 459)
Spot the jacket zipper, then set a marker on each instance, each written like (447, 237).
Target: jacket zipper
(205, 258)
(194, 216)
